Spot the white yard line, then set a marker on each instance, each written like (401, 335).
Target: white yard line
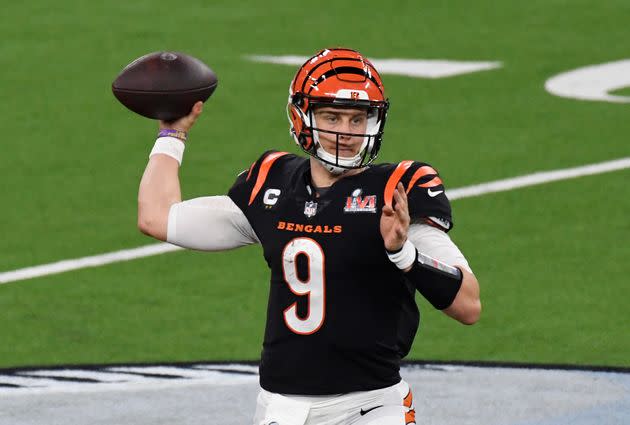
(462, 192)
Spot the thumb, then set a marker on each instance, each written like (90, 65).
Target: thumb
(388, 211)
(197, 109)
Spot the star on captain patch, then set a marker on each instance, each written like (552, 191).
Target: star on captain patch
(310, 208)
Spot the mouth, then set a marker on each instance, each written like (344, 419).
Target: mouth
(345, 151)
(341, 151)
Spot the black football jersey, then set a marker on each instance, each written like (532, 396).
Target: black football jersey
(340, 315)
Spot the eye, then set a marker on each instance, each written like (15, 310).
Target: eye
(358, 120)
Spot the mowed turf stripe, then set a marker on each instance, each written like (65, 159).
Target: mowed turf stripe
(459, 193)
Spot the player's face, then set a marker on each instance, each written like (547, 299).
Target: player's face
(342, 120)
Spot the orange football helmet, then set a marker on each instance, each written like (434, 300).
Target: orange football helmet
(337, 77)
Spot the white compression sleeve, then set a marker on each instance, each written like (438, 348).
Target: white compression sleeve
(437, 244)
(211, 223)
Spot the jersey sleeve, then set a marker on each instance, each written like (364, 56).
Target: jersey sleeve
(437, 244)
(249, 182)
(210, 223)
(426, 194)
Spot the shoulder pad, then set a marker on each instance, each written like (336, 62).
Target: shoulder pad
(425, 193)
(259, 171)
(411, 174)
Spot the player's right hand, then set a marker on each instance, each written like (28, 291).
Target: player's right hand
(184, 123)
(395, 220)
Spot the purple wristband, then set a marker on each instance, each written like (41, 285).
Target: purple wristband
(178, 134)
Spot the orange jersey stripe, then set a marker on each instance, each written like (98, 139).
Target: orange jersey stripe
(251, 168)
(394, 179)
(262, 174)
(420, 172)
(435, 181)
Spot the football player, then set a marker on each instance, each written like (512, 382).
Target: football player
(348, 243)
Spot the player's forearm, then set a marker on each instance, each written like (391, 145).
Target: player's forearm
(466, 307)
(457, 296)
(159, 189)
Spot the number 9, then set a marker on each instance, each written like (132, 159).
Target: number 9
(314, 287)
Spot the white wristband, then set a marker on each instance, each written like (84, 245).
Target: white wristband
(169, 146)
(405, 257)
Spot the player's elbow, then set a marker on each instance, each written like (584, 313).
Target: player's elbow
(471, 306)
(144, 225)
(466, 307)
(471, 314)
(152, 225)
(465, 311)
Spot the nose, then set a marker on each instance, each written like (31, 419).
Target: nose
(345, 128)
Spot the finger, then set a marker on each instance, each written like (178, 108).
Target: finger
(402, 213)
(184, 123)
(190, 119)
(397, 196)
(401, 203)
(388, 211)
(197, 109)
(403, 193)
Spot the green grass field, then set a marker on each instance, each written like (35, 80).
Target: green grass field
(551, 259)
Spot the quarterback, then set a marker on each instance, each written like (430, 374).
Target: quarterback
(348, 243)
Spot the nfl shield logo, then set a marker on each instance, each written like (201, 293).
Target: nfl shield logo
(310, 208)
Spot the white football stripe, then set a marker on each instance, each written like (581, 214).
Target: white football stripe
(418, 68)
(459, 193)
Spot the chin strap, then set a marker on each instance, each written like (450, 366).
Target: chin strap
(337, 171)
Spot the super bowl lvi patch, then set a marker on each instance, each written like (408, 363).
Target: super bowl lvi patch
(358, 204)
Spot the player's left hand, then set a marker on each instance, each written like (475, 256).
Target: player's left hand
(395, 220)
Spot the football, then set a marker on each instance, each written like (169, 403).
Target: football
(164, 85)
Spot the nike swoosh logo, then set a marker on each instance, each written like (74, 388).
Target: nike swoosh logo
(433, 194)
(365, 412)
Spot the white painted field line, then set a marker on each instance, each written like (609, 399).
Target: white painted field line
(85, 262)
(459, 193)
(538, 178)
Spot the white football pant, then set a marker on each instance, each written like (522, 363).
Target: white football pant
(387, 406)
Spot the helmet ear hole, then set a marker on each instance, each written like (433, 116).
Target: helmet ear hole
(306, 141)
(298, 100)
